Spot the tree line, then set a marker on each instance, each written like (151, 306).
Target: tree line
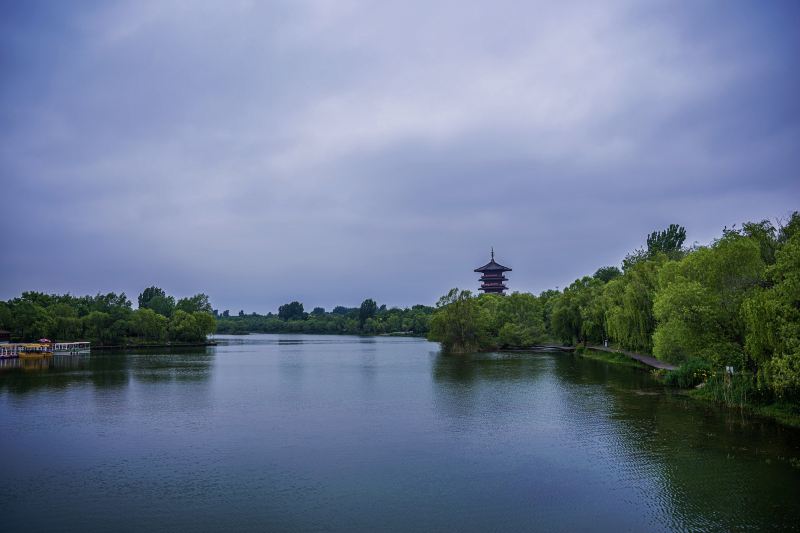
(108, 319)
(733, 303)
(367, 319)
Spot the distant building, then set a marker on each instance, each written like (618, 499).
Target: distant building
(492, 280)
(5, 336)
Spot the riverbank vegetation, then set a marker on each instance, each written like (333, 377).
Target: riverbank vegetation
(108, 319)
(608, 357)
(464, 323)
(728, 313)
(367, 319)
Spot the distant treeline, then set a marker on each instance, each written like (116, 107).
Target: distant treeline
(108, 319)
(367, 319)
(734, 303)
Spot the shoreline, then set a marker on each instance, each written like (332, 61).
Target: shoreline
(780, 413)
(126, 347)
(393, 334)
(612, 358)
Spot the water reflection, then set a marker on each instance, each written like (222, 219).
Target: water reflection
(43, 363)
(286, 339)
(104, 370)
(684, 462)
(179, 367)
(475, 388)
(466, 369)
(340, 434)
(709, 460)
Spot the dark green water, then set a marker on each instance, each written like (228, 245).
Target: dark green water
(306, 433)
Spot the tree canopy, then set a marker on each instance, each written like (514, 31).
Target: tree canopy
(290, 311)
(104, 319)
(733, 303)
(341, 320)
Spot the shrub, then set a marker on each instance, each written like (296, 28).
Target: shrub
(690, 374)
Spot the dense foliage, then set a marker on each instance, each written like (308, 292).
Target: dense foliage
(108, 319)
(368, 319)
(464, 323)
(734, 303)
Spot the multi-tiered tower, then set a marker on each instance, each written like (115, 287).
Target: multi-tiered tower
(493, 278)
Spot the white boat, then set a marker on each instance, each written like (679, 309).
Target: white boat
(71, 348)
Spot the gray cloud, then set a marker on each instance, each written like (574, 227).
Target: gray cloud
(332, 151)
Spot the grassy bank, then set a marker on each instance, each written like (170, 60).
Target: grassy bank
(737, 393)
(783, 412)
(740, 390)
(611, 358)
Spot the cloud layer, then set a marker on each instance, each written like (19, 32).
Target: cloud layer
(330, 151)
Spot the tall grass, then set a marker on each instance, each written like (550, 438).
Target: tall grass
(733, 390)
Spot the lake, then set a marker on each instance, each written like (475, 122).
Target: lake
(319, 433)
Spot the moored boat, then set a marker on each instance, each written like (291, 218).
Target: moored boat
(71, 348)
(35, 351)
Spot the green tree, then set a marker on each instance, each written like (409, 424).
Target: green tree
(629, 305)
(66, 324)
(366, 311)
(31, 321)
(593, 306)
(291, 311)
(699, 301)
(521, 320)
(194, 304)
(456, 323)
(147, 325)
(765, 234)
(772, 323)
(6, 317)
(565, 319)
(668, 241)
(547, 299)
(607, 273)
(164, 306)
(206, 324)
(579, 313)
(97, 327)
(789, 229)
(148, 294)
(183, 327)
(688, 321)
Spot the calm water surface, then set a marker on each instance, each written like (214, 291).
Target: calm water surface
(292, 432)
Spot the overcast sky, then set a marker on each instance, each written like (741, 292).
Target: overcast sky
(330, 151)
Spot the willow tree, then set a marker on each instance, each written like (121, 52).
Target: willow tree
(699, 302)
(456, 323)
(772, 322)
(629, 305)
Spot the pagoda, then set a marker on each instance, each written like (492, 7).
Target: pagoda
(493, 278)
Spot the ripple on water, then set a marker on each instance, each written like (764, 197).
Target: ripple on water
(342, 434)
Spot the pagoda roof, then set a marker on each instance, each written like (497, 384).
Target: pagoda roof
(493, 278)
(492, 266)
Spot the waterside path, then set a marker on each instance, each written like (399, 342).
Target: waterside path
(645, 359)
